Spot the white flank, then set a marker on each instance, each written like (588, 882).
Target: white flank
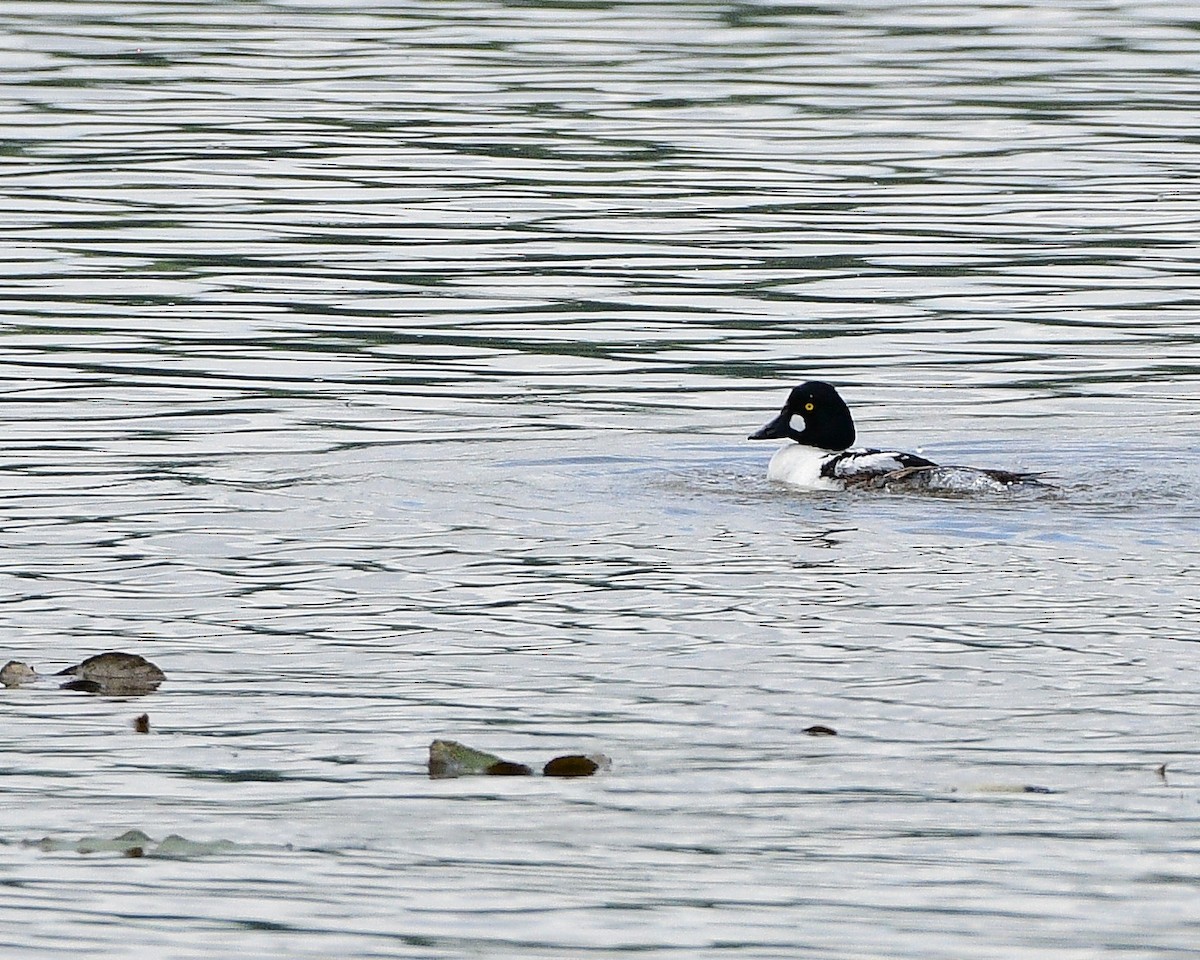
(801, 467)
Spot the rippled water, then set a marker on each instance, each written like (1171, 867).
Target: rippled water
(383, 373)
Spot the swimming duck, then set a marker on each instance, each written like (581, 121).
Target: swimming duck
(817, 419)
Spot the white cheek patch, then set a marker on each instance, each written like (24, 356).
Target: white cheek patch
(797, 423)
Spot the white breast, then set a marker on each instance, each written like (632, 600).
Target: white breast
(801, 467)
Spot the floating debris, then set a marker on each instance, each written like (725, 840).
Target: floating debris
(820, 730)
(17, 674)
(141, 724)
(114, 674)
(449, 758)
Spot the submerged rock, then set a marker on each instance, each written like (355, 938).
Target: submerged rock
(135, 843)
(449, 758)
(177, 846)
(507, 768)
(114, 674)
(17, 674)
(576, 765)
(1005, 788)
(127, 842)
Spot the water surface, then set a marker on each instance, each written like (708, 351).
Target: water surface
(383, 373)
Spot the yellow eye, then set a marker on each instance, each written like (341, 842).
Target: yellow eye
(808, 407)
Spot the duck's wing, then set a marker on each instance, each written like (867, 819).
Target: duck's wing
(863, 467)
(954, 480)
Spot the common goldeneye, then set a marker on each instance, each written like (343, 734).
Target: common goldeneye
(819, 422)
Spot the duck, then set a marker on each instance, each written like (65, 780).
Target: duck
(818, 422)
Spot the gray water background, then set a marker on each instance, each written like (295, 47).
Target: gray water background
(382, 371)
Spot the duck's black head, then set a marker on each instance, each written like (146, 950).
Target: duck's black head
(815, 416)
